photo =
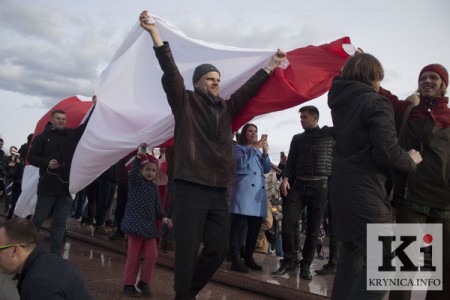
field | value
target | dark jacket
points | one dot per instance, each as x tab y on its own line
310	153
50	277
366	149
2	168
59	145
203	137
13	173
143	206
428	131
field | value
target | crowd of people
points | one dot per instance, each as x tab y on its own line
334	180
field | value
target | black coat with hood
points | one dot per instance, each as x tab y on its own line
366	149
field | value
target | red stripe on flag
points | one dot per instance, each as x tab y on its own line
309	75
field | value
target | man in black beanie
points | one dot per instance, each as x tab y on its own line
203	162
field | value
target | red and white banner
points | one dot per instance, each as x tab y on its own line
132	107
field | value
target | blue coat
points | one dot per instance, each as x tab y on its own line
248	193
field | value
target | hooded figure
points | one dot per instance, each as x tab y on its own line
366	149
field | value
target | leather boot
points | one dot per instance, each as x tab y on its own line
238	265
305	273
285	267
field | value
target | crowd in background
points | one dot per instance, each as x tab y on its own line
333	182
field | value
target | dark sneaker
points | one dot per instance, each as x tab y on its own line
285	267
251	263
238	266
145	288
131	291
326	270
305	273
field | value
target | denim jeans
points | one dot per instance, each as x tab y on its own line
77	209
311	194
279	247
61	207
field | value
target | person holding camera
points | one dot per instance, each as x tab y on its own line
248	199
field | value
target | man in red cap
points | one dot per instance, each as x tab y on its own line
425	197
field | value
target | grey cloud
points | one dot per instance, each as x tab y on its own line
51	64
238	32
26	18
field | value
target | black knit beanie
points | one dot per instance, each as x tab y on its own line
202	70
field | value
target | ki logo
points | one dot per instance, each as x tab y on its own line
389	255
404	256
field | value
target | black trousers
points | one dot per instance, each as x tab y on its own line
121	203
201	215
297	245
334	246
351	274
248	224
311	194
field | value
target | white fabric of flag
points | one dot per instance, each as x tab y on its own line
132	107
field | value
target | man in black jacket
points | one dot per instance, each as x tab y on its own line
309	162
42	275
52	152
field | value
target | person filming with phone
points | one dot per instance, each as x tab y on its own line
248	199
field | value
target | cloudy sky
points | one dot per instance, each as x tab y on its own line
53	49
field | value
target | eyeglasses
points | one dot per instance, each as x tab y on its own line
11	245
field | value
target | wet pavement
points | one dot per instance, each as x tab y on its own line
262	282
101	263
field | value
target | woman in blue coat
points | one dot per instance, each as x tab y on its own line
248	200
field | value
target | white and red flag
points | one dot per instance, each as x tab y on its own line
132	107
